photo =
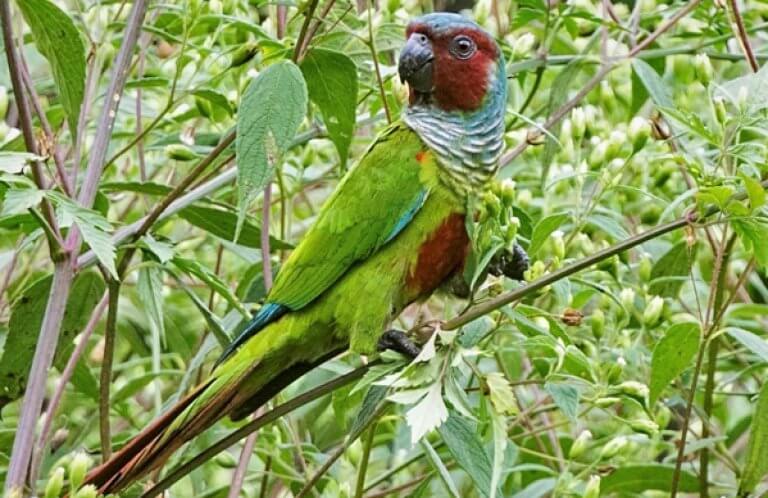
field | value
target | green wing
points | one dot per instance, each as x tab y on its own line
373	203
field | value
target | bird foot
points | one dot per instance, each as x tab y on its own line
398	341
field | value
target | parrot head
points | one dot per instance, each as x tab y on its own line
457	94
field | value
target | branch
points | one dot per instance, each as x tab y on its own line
255	425
741	34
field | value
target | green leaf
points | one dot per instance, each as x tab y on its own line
640	478
543	230
676	262
210	318
194	268
150	290
24	327
150	188
653	83
462	439
332	83
752	342
371	403
271	111
439	466
14	162
753	86
20	200
756	463
672	355
753	234
223	224
557	97
565	396
215	98
93	226
755	191
57	38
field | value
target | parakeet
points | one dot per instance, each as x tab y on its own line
391	233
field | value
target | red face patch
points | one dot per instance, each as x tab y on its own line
460	84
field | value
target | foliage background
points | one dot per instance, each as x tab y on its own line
638	375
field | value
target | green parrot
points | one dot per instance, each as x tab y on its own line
393	231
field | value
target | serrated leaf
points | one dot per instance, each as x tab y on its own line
370	406
332	84
463	441
544	229
57	38
640	478
163	250
502	396
672	355
24	327
14	162
752	342
565	396
270	112
150	290
753	233
428	414
755	192
756	462
20	200
93	226
676	262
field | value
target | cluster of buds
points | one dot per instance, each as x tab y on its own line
495	216
76	472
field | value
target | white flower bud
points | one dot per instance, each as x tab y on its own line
639	131
580	444
703	67
592	490
523	45
613	447
55	483
77	469
627	298
578	122
653	311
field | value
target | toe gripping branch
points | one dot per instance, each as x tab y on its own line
398	341
512	264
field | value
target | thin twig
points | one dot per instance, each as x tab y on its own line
255	425
377	69
741	34
363	470
66	375
105	376
300	43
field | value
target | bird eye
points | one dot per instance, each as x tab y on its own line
463	47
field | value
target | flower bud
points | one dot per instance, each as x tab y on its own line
3	101
614	372
645	268
225	460
244	54
644	426
607	401
634	389
613	447
627	298
639	131
492	203
580	444
558	244
592	490
180	152
77	469
508	192
88	491
653	311
703	67
578	122
597	322
523	45
721	114
55	483
598	155
742	98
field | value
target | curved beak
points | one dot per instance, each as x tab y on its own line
415	66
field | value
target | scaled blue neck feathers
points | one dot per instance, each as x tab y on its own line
468	144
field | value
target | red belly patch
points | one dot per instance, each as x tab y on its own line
440	255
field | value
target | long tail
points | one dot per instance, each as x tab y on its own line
236	388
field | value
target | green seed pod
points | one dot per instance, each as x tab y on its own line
614	372
180	152
492	203
558	244
663	416
508	192
592	490
607	401
613	447
721	113
597	322
627	298
77	469
226	460
580	445
644	426
645	268
204	107
578	123
634	389
244	54
598	155
55	484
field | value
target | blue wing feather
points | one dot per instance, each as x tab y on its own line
266	315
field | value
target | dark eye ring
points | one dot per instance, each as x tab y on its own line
463	47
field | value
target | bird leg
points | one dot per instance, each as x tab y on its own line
398	341
512	264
